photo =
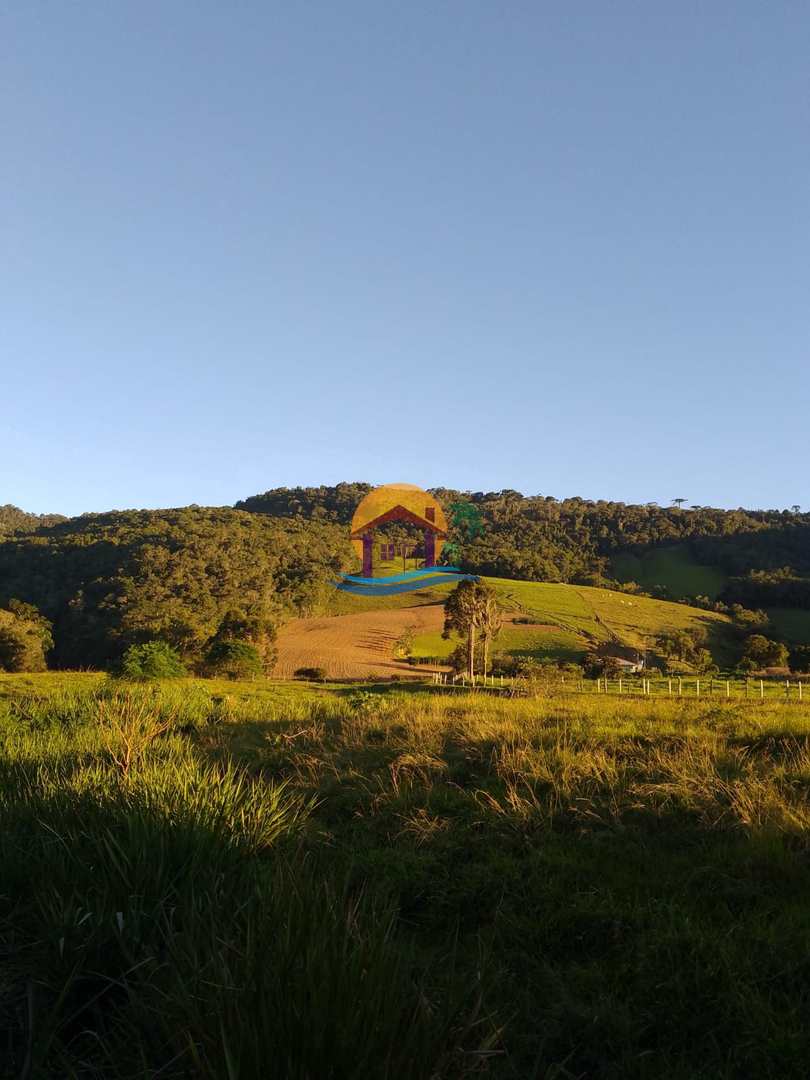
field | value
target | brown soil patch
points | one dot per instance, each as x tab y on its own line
362	645
354	646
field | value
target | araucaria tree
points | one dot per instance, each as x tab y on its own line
472	611
491	623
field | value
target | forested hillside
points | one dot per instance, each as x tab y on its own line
106	581
538	538
14	520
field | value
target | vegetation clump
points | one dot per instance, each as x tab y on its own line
233	659
151	660
313	674
25	638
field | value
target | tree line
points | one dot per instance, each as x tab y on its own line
540	538
194	578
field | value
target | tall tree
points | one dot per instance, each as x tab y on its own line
491	622
468	610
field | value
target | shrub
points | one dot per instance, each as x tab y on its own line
25	638
234	660
760	652
597	665
152	660
314	674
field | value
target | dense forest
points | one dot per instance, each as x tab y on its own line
107	581
102	582
13	520
539	538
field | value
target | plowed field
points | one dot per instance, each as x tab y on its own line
355	646
361	645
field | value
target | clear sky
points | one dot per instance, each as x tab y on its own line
559	247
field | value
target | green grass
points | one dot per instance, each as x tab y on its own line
306	882
575	618
578	617
672	567
524	641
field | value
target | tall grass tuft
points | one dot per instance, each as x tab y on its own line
159	917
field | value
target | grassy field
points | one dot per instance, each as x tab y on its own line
673	567
250	879
571	619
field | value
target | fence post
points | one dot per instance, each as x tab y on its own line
669	686
620	685
728	688
761	688
787	689
800	689
680	687
697	687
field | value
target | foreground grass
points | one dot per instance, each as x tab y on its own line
391	883
161	913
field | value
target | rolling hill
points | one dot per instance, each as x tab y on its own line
359	634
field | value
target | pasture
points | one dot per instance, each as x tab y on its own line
212	879
561	622
356	636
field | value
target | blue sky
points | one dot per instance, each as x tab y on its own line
550	247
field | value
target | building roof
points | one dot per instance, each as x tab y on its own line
399	513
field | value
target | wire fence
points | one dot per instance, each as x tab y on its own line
693	686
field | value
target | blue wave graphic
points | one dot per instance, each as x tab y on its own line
406	575
403	587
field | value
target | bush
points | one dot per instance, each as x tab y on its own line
25	638
314	674
596	665
234	660
760	652
152	660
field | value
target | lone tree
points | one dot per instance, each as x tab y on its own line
678	502
491	623
472	609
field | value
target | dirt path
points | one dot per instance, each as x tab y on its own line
354	646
